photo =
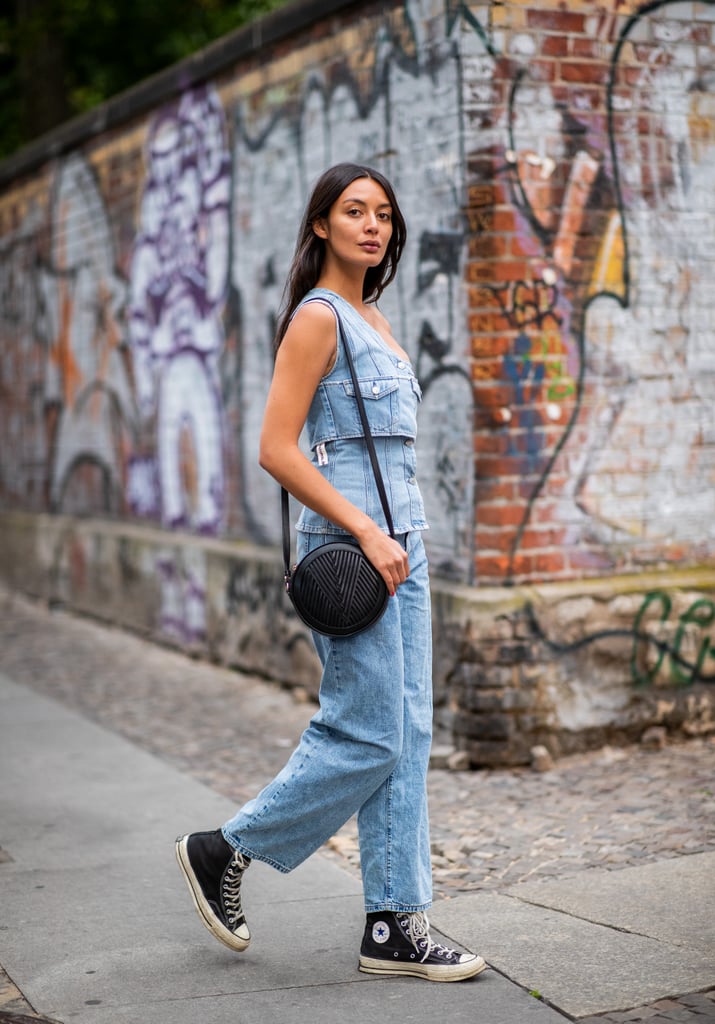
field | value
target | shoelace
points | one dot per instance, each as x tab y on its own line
231	888
417	926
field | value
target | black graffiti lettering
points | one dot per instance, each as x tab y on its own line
440	253
251	589
701	613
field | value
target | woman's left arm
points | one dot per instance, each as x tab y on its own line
303	358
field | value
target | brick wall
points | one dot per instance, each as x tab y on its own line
556	171
555	168
593	338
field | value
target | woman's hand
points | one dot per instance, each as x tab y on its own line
387	555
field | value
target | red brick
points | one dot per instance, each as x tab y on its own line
545	512
489	246
491	444
550	563
482	298
486	369
522	565
492	566
503	219
480	195
499	515
481	219
532	539
480	273
564	22
499	466
493	540
555	46
510	270
486	345
581	47
491	395
491	490
583	72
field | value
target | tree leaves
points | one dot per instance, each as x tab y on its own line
59	58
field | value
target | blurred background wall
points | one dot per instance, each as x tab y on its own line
557	172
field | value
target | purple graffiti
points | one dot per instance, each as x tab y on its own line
179	281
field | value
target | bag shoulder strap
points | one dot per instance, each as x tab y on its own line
285	517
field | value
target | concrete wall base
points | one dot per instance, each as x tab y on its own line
569	666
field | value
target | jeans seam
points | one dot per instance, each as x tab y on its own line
388	837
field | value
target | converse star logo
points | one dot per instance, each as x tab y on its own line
380	932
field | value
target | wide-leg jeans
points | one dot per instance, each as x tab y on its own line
365	751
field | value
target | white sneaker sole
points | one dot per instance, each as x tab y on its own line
431	972
226	937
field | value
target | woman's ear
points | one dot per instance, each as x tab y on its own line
320	228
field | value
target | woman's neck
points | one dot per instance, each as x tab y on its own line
348	286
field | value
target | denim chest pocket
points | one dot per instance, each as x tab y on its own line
381	398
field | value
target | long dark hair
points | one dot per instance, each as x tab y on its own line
310	250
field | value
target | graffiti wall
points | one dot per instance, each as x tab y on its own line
555	168
595	339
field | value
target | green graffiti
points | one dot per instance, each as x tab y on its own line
700	614
560	385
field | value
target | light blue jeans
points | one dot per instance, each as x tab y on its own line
366	750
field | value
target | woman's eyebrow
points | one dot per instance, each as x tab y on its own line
361	202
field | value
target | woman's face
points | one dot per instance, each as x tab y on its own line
358	227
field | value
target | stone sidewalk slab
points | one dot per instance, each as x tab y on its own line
671	900
97	926
579	966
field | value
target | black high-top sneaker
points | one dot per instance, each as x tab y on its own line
213	871
400	943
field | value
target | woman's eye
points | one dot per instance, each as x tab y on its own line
385	216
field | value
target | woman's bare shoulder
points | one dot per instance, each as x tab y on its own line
312	335
315	312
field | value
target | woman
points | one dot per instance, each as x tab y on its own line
367	748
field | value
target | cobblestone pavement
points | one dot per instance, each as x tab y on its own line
490	829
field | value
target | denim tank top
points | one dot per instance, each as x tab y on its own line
391	393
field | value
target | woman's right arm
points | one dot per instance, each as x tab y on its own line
304	356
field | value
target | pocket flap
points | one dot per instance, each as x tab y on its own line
373	387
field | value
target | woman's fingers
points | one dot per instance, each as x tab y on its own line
388	556
394	566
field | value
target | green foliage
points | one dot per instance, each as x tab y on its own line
10	129
59	58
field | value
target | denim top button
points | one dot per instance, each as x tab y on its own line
375	389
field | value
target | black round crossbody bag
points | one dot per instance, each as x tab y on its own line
335	589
